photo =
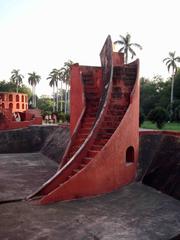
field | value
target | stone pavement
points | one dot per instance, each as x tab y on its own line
23	173
135	212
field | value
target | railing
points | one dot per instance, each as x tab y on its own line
63	172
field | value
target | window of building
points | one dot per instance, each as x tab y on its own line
10	105
17	105
17	98
2	96
10	97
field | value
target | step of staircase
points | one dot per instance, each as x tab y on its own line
92	153
86	160
100	141
84	130
96	147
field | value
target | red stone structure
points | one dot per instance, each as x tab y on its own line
102	154
16	102
14	112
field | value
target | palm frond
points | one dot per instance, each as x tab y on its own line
136	45
121	50
122	38
119	42
165	59
132	52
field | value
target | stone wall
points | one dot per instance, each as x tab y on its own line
159	163
33	138
56	144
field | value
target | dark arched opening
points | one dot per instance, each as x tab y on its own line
130	155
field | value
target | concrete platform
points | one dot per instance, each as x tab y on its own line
21	174
135	212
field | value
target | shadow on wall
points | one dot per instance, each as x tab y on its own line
51	140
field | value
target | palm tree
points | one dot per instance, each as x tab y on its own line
66	78
171	65
61	79
16	78
127	46
33	80
53	83
54	77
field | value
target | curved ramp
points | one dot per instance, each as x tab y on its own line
107	158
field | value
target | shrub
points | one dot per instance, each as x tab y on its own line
159	116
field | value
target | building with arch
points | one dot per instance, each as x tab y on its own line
15	102
14	112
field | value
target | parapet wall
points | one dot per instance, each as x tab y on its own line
34	138
159	161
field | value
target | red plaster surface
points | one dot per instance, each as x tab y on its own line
158	132
77	103
17	102
99	164
10	103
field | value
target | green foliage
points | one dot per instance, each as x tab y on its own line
177	85
169	126
16	78
141	118
159	116
11	87
127	46
176	110
154	93
67	117
45	105
60	116
177	114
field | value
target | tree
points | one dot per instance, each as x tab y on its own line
53	82
154	93
159	116
33	80
177	85
66	80
11	87
171	63
55	76
16	78
127	46
45	105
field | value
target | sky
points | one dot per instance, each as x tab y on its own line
39	35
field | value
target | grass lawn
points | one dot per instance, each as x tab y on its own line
168	126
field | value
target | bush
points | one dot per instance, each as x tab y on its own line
159	116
